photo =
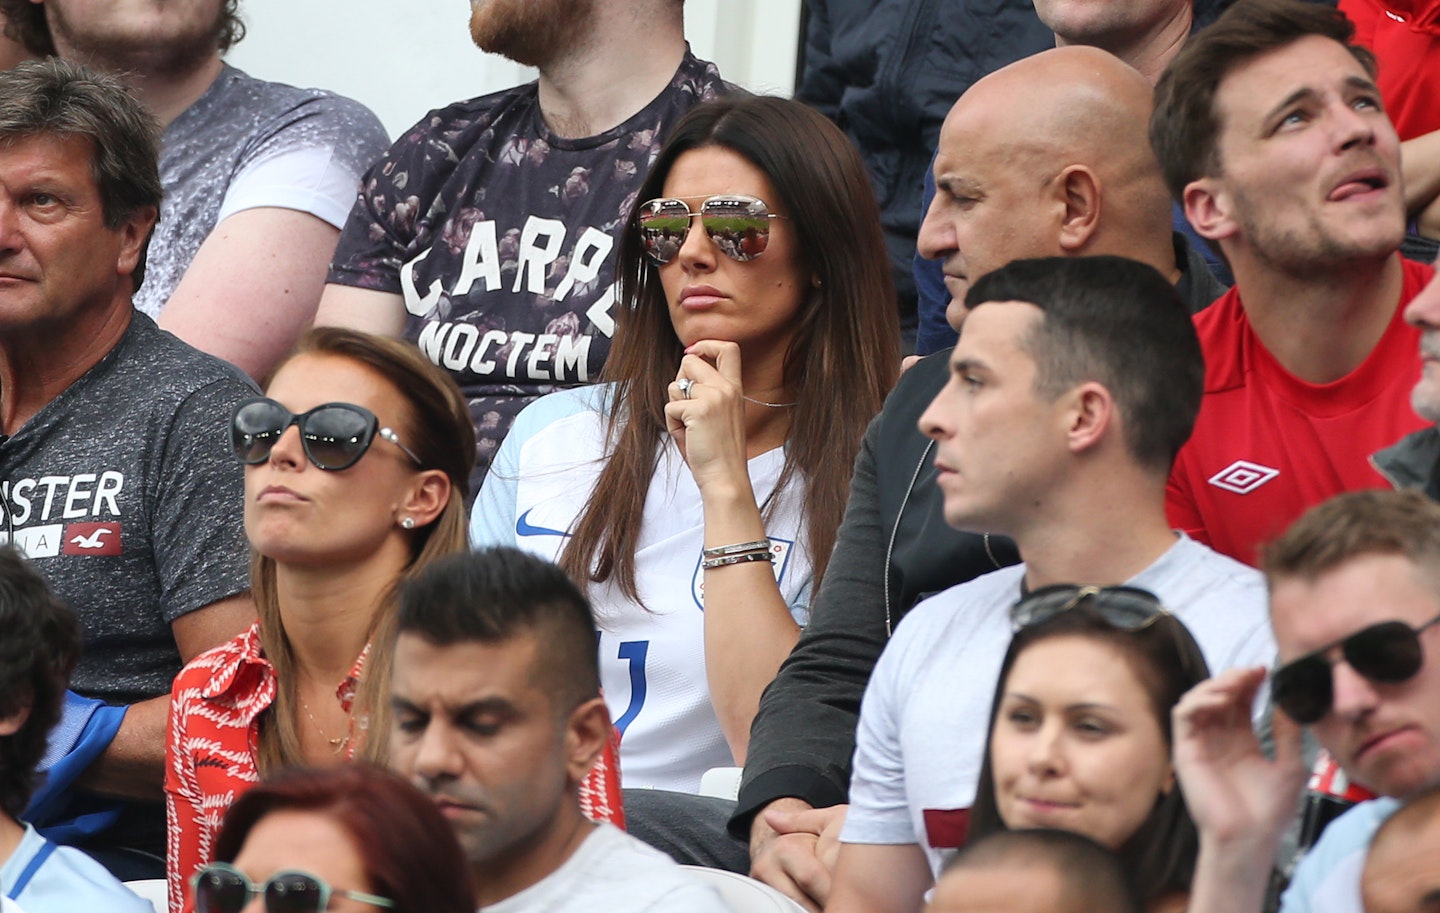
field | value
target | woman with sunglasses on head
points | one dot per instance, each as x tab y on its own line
1080	737
697	495
356	464
344	840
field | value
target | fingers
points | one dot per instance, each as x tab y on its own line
723	355
1224	701
789	864
1289	746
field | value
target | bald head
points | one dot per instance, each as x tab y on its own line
1049	156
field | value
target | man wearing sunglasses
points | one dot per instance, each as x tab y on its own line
1074	383
1355	605
487	234
498	717
113	473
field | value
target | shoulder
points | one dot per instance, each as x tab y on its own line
70	880
1328	876
651	879
1222	328
164	363
563	409
960	611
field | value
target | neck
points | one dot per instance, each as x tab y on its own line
608	79
1320	327
328	612
11	832
171	95
1100	530
533	859
1150	50
766	427
35	367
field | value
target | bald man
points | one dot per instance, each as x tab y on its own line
1400	874
1069	173
1034	871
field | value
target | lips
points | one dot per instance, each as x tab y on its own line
700	297
279	493
1380	741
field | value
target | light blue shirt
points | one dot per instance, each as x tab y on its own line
1327	880
44	878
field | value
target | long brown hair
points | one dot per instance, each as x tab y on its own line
438	429
842	359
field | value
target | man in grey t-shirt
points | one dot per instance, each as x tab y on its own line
258	176
114	473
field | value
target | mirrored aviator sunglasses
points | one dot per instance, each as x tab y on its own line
222	888
738	225
334	436
1128	608
1388	653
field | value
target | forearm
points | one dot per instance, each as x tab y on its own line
133	767
1420	164
872	878
1231	876
748	627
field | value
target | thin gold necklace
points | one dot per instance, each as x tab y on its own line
336	745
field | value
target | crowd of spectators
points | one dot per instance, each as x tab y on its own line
592	470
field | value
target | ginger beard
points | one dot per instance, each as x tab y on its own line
529	32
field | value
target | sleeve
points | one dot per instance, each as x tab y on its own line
879	808
822	81
198	526
182	802
381	227
310	160
804	731
492	518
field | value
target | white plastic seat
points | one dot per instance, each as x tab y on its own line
151	889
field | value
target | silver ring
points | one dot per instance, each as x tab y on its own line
685	384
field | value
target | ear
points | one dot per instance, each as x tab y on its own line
1078	190
1090	417
134	232
1209	208
426	498
9	725
586	734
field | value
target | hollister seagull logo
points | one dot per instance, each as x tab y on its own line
92	539
1243	477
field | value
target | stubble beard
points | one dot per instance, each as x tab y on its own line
121	53
529	32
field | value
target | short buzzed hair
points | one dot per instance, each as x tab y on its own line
495	594
1091	876
1185	127
1355	524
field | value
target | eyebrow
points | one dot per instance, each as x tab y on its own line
953	184
962	365
484	705
1351	82
1068	708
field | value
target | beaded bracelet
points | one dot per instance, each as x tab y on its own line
710	564
721	551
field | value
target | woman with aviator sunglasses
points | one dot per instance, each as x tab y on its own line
698	494
356	464
1080	736
344	840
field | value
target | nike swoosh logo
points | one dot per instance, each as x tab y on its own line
523	528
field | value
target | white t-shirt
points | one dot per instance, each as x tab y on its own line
921	737
652	657
615	873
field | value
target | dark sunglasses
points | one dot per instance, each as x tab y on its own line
1389	653
738	225
1128	608
221	888
334	436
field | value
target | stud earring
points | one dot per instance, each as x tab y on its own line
408	523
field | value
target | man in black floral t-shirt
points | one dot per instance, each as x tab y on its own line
487	233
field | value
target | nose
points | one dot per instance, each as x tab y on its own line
1045	755
1423	311
436	759
936	422
698	253
288	450
1355	695
10	239
1354	128
937	233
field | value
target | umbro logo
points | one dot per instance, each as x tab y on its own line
1243	477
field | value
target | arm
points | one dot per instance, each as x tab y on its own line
133	766
253	287
1420	163
183	854
794	848
1241	801
748	627
381	313
875	878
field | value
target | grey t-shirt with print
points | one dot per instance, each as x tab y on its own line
123	492
249	143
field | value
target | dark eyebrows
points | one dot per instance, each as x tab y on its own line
965	366
1302	94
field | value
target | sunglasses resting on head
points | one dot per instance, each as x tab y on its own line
334	436
1128	608
222	888
1388	653
738	225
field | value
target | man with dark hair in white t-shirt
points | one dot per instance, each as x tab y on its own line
1074	383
